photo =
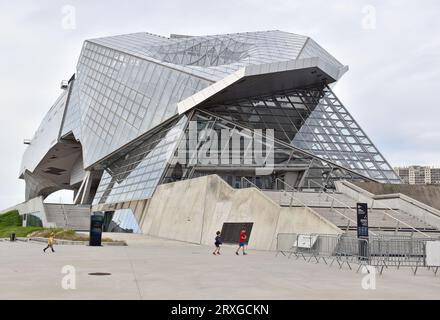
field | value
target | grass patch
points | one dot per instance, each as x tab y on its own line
65	234
5	232
10	222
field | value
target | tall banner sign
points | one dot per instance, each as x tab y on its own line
362	220
362	230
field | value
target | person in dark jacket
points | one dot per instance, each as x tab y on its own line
217	243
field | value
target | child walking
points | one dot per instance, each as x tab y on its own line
50	242
242	242
217	243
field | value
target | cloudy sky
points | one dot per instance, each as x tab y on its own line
392	48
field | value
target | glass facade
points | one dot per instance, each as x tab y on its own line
254	154
122	96
72	118
137	171
46	135
313	120
33	220
121	221
214	57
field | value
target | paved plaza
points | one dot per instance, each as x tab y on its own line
150	268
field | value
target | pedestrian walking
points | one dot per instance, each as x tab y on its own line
242	242
50	242
217	243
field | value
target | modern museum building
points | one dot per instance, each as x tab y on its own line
177	136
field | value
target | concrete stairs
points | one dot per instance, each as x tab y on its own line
76	217
421	212
340	209
380	219
312	199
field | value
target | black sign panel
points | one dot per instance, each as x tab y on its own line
362	220
96	222
231	232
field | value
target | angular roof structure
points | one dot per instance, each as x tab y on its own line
115	128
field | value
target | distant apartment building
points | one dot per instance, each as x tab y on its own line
419	175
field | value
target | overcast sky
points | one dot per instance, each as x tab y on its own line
392	48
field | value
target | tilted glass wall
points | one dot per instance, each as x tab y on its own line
214	145
313	120
122	96
293	152
332	133
314	142
121	221
134	173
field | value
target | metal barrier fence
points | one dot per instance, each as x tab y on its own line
352	250
398	252
380	252
308	247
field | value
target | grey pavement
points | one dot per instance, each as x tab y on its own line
150	268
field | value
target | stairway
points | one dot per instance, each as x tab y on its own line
311	199
380	219
76	217
340	209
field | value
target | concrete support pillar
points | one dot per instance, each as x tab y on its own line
82	195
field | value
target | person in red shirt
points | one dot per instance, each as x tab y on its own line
242	242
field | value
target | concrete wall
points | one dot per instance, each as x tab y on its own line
193	210
427	194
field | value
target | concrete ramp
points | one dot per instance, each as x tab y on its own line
69	216
193	210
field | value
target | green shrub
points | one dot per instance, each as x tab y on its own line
10	222
10	219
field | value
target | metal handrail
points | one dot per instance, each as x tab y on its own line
306	206
64	215
402	222
417	204
245	179
285	183
288	185
386	213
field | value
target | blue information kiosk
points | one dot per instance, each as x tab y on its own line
96	223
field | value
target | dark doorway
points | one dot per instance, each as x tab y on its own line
231	231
